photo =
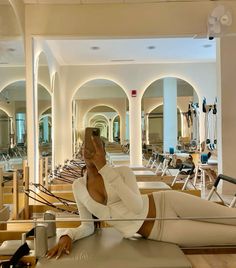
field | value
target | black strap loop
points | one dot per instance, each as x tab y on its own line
21	251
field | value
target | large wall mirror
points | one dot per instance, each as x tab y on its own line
103	117
103	104
153	114
13	134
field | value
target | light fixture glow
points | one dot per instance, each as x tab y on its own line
151	47
95	48
207	46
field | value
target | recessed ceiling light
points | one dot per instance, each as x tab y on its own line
11	49
95	48
207	45
151	47
3	63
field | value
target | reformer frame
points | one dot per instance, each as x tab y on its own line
190	170
214	189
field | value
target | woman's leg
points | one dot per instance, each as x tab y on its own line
185	205
173	204
195	233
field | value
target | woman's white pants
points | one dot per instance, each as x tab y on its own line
192	232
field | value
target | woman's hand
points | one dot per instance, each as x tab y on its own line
63	246
99	156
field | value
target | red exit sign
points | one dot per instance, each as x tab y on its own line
133	92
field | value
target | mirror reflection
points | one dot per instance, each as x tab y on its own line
103	117
103	104
153	117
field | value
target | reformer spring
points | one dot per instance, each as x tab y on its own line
47	192
47	203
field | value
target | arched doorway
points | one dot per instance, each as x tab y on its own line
158	122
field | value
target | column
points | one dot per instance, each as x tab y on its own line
110	129
56	104
226	128
170	113
135	132
31	111
66	123
123	125
127	125
45	129
146	127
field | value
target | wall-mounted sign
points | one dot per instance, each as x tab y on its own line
133	92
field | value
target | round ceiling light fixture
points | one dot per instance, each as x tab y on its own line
95	48
207	45
151	47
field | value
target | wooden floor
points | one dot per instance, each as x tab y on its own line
213	260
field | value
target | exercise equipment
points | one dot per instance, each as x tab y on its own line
214	189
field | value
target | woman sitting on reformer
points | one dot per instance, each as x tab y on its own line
112	193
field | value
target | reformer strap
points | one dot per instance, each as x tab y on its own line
20	252
47	192
45	202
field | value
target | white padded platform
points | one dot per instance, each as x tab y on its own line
153	185
144	173
107	249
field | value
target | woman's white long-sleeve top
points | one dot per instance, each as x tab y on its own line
124	201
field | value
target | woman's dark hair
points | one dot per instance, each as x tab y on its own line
97	224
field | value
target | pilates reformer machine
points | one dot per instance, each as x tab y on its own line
213	190
104	248
56	187
105	235
185	173
47	195
163	163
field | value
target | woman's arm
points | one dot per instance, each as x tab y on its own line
72	234
85	228
125	185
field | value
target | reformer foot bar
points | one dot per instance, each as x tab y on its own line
189	169
214	189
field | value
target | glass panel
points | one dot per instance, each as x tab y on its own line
12	91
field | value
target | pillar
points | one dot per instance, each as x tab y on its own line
31	111
135	131
226	128
170	113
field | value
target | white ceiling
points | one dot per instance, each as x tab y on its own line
12	53
116	51
132	51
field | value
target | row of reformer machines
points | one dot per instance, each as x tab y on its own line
25	205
